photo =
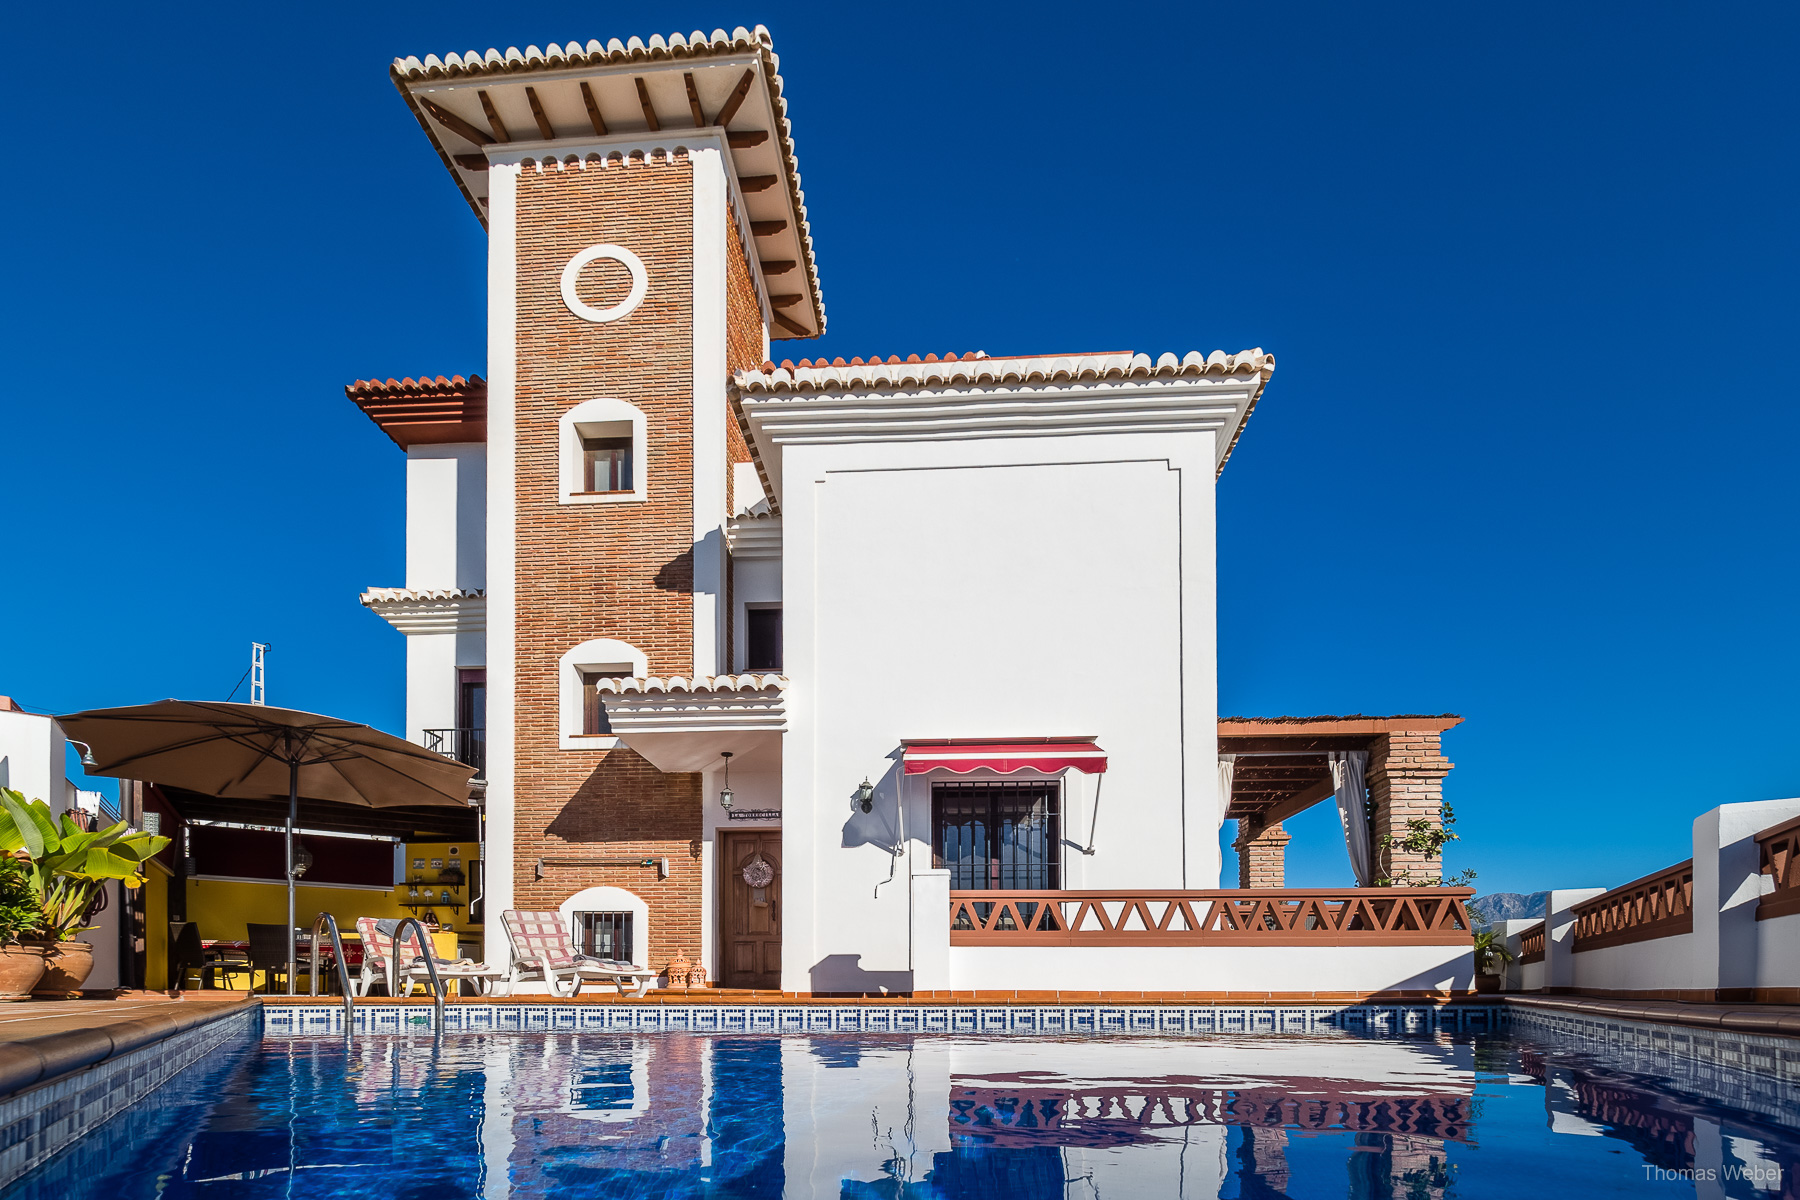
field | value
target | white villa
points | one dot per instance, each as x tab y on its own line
893	675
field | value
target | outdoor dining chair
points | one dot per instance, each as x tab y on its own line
188	956
268	954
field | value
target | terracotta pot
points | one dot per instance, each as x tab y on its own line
21	967
1487	983
68	966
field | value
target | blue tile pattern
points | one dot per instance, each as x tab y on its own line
373	1017
38	1122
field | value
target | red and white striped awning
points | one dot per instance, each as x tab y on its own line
1045	755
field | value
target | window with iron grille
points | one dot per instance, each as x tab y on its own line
1003	835
607	935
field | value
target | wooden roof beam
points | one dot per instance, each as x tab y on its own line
777	266
792	326
493	116
743	139
537	114
756	183
593	109
1295	804
644	102
693	92
735	101
455	124
767	228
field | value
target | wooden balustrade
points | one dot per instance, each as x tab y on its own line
1656	906
1780	846
1531	944
1274	917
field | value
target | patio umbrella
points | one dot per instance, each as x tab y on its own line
252	751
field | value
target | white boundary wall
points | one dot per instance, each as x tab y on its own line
1729	950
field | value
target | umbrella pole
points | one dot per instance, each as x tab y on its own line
293	812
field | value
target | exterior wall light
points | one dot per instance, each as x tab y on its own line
865	796
725	796
87	753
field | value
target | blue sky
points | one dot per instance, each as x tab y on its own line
1528	272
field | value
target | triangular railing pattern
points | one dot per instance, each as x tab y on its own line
1350	916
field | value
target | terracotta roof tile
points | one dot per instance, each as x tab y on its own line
427	411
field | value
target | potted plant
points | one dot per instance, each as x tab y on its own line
1491	957
21	966
66	866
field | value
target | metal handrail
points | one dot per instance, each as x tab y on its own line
425	949
323	922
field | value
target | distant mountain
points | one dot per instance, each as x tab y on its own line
1509	906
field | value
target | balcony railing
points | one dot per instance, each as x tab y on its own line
1531	944
1780	848
466	746
1656	906
1284	917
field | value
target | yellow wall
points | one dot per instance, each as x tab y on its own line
224	908
156	926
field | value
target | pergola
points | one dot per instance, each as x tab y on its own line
1281	769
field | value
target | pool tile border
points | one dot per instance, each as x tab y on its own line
41	1121
1759	1072
281	1021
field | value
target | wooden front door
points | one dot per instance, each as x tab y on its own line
750	916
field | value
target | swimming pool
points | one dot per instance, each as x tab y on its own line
861	1116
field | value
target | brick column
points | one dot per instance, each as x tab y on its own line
1262	855
1406	782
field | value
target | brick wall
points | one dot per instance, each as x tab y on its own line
1406	781
620	571
1262	855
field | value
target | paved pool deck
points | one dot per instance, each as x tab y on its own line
45	1040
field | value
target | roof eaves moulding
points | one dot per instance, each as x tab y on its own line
578	92
996	397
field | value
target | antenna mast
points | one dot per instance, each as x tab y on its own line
258	650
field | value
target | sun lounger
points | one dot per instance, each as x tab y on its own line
541	950
379	963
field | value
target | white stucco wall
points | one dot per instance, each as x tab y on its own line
991	588
33	752
1212	968
1778	952
1656	965
446	516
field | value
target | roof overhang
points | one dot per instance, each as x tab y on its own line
425	412
981	397
684	725
438	610
476	105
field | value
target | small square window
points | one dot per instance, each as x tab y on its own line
762	643
606	464
593	709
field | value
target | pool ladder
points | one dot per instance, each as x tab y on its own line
328	923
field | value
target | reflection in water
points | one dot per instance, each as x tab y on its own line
935	1117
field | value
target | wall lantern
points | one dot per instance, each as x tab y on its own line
303	859
725	796
865	796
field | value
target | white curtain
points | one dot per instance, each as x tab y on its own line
1227	771
1348	771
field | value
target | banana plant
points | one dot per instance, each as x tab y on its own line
67	863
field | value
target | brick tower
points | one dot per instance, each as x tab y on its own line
642	206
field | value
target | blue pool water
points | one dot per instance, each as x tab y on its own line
937	1117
